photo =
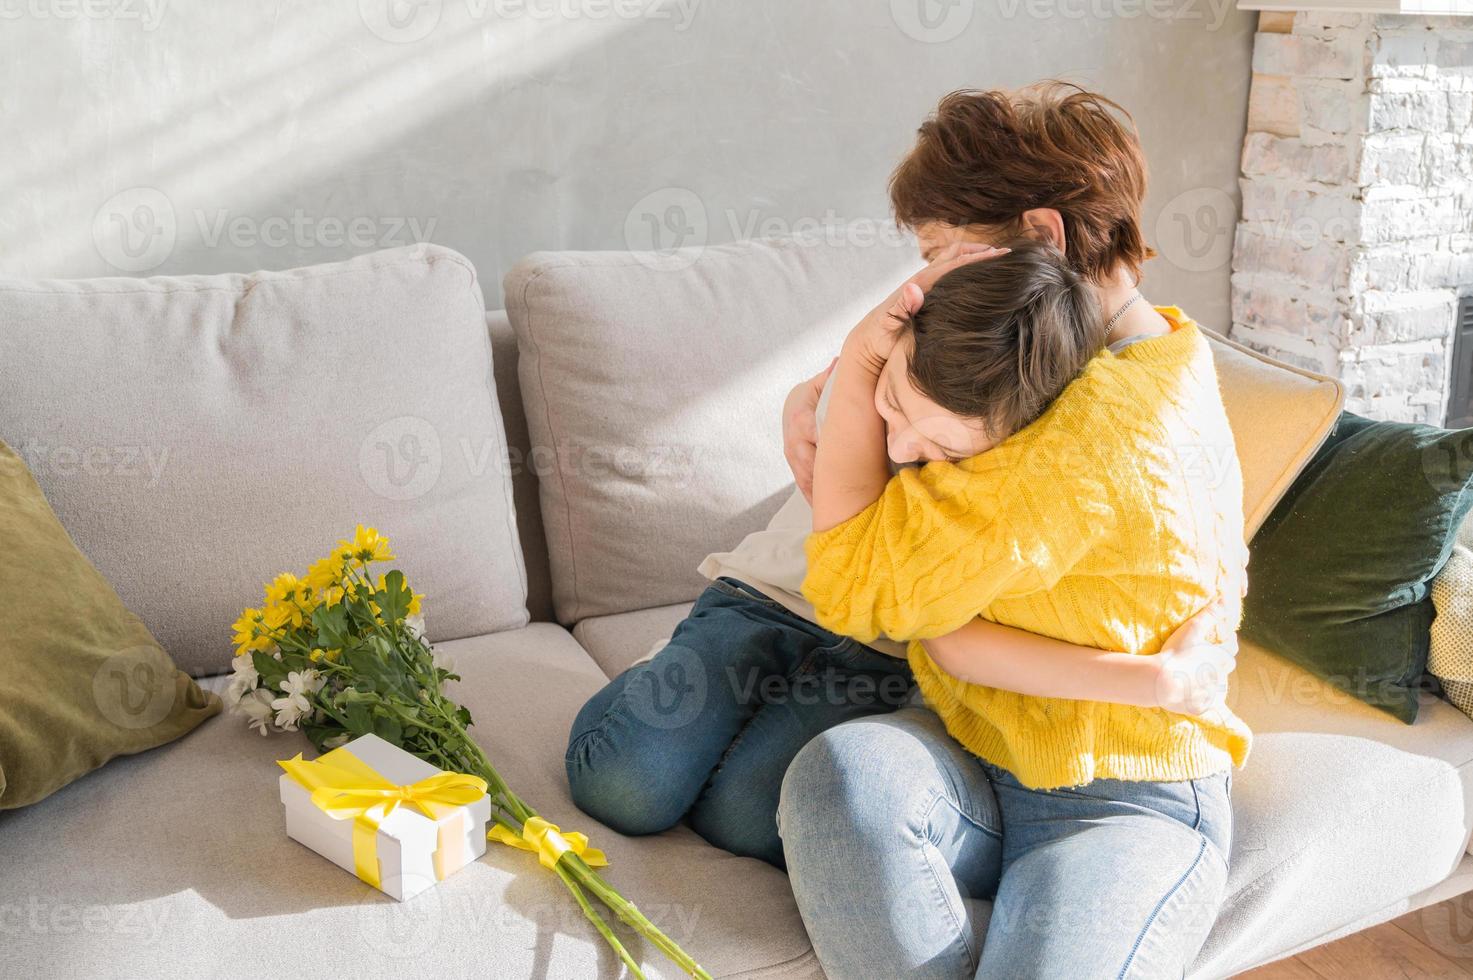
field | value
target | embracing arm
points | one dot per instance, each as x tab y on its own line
1188	676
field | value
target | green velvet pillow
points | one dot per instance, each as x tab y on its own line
81	678
1340	577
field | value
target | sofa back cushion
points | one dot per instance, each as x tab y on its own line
519	458
1280	416
654	386
197	435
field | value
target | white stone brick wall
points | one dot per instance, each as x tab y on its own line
1356	233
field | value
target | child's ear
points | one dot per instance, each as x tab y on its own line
1044	225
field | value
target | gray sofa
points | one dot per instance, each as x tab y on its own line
175	862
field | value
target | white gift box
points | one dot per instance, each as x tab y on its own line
412	850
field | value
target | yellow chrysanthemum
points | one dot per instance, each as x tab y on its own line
325	573
246	638
367	546
283	588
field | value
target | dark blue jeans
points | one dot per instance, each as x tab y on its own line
707	728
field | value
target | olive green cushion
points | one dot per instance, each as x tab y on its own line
81	678
1341	573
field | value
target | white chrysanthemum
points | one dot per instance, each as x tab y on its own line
293	705
256	706
243	680
443	661
415	625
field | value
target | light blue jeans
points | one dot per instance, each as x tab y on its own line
893	832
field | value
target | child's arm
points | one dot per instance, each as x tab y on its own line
850	469
1189	676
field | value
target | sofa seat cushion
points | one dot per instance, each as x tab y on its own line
1341	812
176	863
614	642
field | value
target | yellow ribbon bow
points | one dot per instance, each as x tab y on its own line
548	842
345	787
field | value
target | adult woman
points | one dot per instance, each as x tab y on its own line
888	824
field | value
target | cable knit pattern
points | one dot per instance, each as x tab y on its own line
1108	522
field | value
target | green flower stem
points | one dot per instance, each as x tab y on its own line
578	870
598	921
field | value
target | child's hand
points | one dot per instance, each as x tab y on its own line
872	340
1194	664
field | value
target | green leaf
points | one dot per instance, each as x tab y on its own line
360	719
332	625
393	600
272	671
388	729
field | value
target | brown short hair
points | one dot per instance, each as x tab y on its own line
998	340
987	157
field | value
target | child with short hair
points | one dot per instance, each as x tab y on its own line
1060	498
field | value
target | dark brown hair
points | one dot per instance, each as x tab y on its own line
987	157
998	340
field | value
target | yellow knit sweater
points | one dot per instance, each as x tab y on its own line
1108	523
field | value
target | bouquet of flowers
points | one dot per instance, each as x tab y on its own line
341	653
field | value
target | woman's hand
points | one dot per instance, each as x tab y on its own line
1192	668
874	337
800	428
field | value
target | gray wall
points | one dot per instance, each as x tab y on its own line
149	136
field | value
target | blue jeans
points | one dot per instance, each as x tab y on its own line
893	831
707	728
